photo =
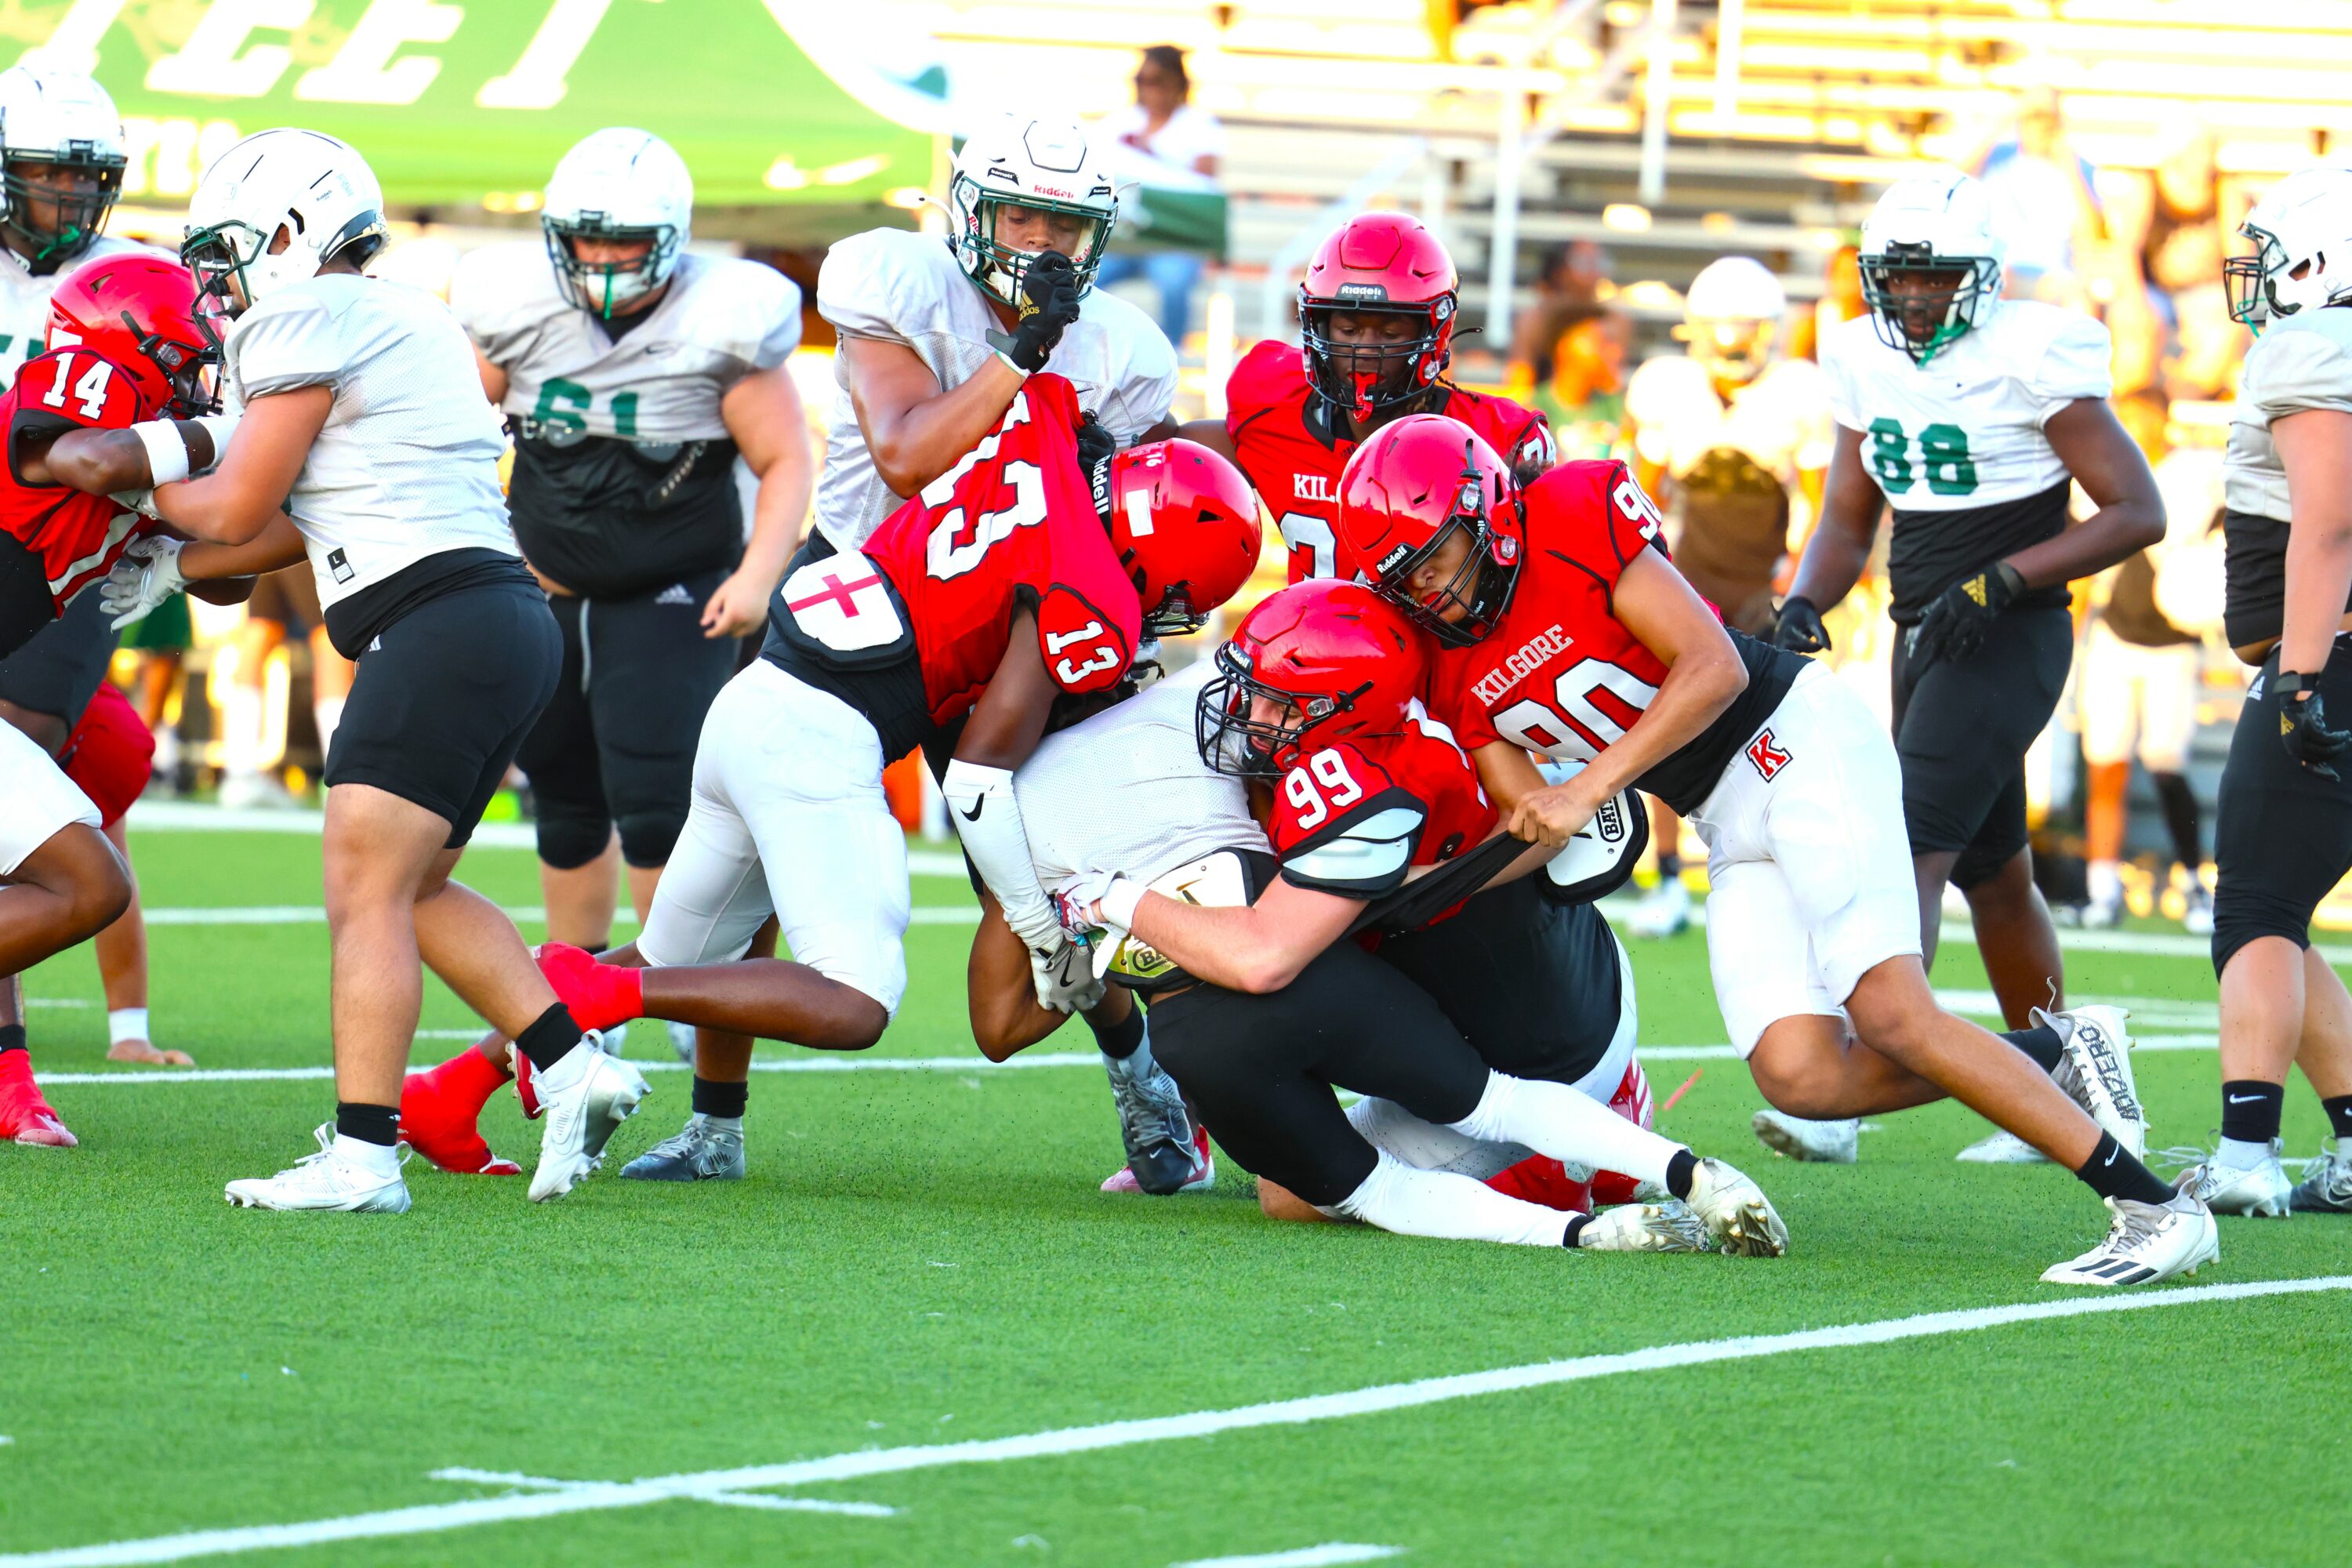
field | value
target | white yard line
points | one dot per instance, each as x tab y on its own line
976	1065
522	914
1330	1552
590	1497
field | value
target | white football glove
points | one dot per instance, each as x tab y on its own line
1064	977
147	574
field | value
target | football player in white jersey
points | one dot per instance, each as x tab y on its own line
1735	438
1972	416
631	372
362	415
2283	838
936	339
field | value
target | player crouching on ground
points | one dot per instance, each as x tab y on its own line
979	603
1315	699
1567	633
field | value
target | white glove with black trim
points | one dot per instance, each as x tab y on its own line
147	574
1064	976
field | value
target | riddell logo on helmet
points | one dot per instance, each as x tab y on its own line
1053	190
1370	294
1389	562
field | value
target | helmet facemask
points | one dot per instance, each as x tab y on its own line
998	268
80	214
2248	279
1922	320
1368	379
607	289
1233	742
190	371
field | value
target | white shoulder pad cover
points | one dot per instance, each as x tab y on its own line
2077	364
1363	854
1138	367
287	342
1661	382
2300	364
885	283
1841	345
743	310
1602	857
498	291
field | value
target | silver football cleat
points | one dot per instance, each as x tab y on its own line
698	1152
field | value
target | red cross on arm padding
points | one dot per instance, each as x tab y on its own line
835	591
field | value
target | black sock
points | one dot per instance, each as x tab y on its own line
1576	1224
713	1098
2180	804
2039	1042
597	947
12	1037
378	1124
2112	1173
2251	1110
1680	1170
2339	1115
1669	865
1119	1040
549	1038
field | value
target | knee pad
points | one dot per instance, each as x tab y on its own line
647	837
569	838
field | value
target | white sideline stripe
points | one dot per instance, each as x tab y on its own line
972	1064
1305	1557
732	1499
522	914
590	1497
1619	912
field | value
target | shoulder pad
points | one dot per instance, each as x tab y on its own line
1660	383
1270	374
885	283
2300	364
746	310
1602	857
1363	851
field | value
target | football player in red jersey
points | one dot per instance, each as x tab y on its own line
1000	588
1315	697
1376	321
1567	633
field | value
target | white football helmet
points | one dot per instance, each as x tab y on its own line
1931	261
618	185
1035	163
60	119
1732	315
317	189
2302	231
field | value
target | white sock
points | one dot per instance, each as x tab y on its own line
327	712
1567	1124
126	1024
380	1159
1438	1204
2240	1156
721	1123
241	721
2107	881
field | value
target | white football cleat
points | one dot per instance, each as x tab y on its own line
2145	1242
2197	911
325	1182
1736	1211
2257	1191
681	1040
1665	912
1670	1226
2097	1072
2327	1185
1819	1142
585	1098
2002	1149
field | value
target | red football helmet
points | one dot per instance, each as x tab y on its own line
1378	265
1405	492
1184	524
139	313
1336	661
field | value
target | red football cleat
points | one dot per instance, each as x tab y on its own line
1632	1102
526	1085
25	1116
600	995
1540	1179
439	1109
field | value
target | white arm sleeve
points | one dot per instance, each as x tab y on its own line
987	819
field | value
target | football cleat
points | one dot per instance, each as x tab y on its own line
1201	1170
2256	1191
2002	1148
697	1153
1665	912
526	1084
2145	1243
2197	915
1837	1142
1153	1124
599	995
1736	1211
438	1121
587	1096
25	1117
2097	1072
1540	1179
325	1183
681	1040
2327	1185
1669	1227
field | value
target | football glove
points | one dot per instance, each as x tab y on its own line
1097	447
1800	628
2303	725
1956	623
1049	303
1064	974
147	574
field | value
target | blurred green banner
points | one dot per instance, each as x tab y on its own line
463	102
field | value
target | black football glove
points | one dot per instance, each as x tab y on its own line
1956	623
1800	628
1097	447
1049	303
2303	725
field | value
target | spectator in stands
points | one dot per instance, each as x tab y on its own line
1160	141
2181	253
1574	284
1584	399
1841	301
2044	198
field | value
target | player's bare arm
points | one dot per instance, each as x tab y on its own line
1851	506
236	501
102	462
762	413
494	378
1258	948
1704	674
2113	471
1211	434
914	431
2316	447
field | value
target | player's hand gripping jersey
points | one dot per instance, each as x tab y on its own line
1354	817
77	537
1293	453
1012	526
1561	675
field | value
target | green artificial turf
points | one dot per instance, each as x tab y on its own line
922	1257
